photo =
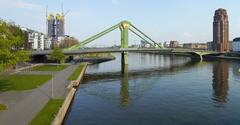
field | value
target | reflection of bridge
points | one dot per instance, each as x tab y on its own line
125	27
130	91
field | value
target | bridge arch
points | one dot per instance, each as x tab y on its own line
125	27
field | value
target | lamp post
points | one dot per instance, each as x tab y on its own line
52	86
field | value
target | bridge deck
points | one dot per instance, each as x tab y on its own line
117	50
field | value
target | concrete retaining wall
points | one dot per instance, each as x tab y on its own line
68	100
76	83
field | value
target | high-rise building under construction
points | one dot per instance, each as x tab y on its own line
51	26
55	26
59	25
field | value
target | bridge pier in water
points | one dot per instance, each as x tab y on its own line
124	62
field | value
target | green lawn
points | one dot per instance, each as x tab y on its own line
23	82
3	107
50	67
76	73
47	114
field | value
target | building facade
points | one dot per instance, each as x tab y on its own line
166	44
173	44
221	31
210	46
33	40
59	25
199	46
51	26
55	28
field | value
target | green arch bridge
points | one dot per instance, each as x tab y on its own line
125	27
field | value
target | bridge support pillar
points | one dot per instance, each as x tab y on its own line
124	62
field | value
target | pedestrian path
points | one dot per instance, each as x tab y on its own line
23	106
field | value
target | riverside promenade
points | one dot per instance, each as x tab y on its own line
23	106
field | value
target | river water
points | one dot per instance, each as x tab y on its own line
158	90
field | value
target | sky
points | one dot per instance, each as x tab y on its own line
162	20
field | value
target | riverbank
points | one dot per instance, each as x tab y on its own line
224	57
76	78
94	58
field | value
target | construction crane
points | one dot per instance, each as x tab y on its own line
64	14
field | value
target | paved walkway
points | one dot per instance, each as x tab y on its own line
23	106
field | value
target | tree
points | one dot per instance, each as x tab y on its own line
68	42
11	44
57	55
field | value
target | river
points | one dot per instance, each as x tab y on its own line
158	90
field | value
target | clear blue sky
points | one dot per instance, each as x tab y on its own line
163	20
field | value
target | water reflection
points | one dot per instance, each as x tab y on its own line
220	81
93	67
170	91
124	90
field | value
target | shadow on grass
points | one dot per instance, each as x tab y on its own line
5	85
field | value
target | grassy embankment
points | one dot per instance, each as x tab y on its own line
50	68
76	73
3	107
47	114
22	82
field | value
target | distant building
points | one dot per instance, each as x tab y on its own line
59	25
55	28
173	44
236	45
200	46
210	46
51	26
180	45
48	43
144	44
33	40
134	46
166	44
220	31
